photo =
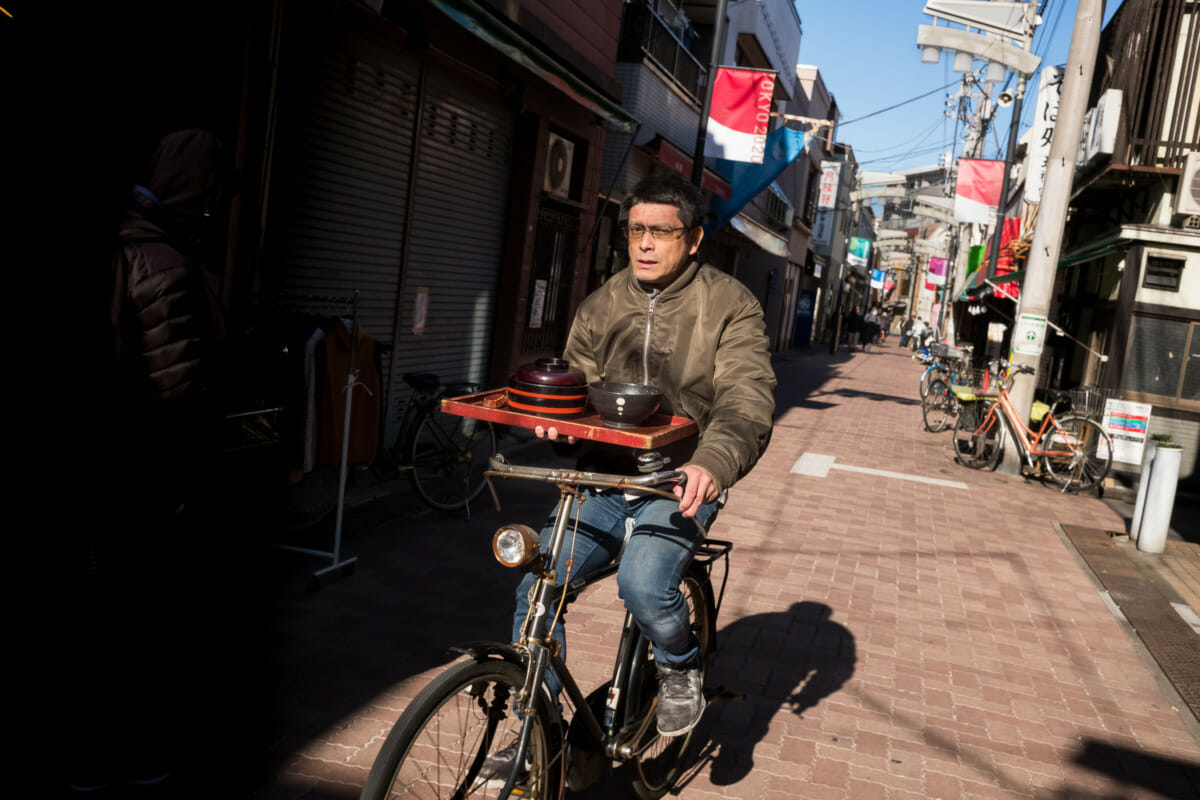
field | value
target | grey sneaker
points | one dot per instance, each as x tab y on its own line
680	698
498	766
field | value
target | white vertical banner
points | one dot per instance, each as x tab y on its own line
1045	117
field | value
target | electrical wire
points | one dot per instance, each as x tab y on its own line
897	105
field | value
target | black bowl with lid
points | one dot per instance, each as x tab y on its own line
550	388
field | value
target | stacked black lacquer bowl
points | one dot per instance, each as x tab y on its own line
549	388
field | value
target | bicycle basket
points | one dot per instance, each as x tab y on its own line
984	383
948	352
1089	400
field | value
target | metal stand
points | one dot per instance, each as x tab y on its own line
339	563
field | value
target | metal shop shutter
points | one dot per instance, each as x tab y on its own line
341	220
459	214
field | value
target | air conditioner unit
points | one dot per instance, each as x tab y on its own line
560	159
1187	197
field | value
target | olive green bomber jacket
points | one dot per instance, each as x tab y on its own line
702	342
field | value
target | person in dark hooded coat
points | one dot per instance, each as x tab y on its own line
137	613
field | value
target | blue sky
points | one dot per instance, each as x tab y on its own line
868	56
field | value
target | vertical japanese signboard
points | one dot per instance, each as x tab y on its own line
1049	92
831	172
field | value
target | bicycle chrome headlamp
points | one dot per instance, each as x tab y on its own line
515	545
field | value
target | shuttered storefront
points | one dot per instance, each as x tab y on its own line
460	208
341	225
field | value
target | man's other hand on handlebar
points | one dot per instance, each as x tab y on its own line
698	489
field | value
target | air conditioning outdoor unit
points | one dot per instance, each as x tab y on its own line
560	158
1187	197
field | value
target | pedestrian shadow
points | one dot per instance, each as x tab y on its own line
1134	770
793	658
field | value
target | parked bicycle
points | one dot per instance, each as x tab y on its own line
939	405
444	455
1075	451
441	744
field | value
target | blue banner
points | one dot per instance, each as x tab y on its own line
783	147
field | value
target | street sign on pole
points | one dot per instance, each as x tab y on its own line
1029	335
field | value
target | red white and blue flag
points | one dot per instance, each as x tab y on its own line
977	190
740	115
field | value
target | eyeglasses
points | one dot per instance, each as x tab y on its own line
660	233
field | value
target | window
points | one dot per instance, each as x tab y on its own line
1163	358
1162	273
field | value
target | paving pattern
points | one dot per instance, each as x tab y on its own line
882	637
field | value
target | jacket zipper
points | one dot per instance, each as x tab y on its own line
652	299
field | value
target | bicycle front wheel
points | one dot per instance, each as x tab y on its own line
939	406
438	747
658	760
1077	453
449	454
977	436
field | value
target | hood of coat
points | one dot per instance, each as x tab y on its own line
181	192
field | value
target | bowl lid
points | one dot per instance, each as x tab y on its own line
550	372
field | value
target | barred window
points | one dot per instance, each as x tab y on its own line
1164	358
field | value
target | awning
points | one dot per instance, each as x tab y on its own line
1089	252
767	239
977	283
495	33
681	162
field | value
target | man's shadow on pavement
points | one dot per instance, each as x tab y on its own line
793	658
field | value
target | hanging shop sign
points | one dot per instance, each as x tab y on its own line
860	252
827	192
1038	156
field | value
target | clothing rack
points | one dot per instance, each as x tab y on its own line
323	303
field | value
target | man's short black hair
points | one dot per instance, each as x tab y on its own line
668	188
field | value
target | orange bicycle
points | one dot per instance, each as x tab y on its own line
1075	451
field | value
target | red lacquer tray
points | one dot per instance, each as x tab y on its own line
657	431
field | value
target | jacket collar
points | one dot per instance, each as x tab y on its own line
675	287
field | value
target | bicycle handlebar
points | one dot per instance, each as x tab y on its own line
498	466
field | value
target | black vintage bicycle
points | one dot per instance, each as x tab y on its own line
500	693
444	455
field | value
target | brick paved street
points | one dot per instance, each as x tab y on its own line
892	638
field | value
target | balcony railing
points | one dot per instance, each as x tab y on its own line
1155	49
645	34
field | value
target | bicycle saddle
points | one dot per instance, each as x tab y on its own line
423	381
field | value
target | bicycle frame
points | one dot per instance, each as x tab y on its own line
1025	437
537	651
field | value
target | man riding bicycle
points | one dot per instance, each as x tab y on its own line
697	334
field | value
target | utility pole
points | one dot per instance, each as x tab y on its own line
1056	193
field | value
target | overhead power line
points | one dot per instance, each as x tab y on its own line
897	105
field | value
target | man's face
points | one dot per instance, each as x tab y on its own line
658	261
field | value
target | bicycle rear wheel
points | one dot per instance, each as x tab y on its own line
939	406
931	375
658	760
1080	453
438	746
449	454
977	436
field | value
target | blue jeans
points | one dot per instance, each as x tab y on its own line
659	550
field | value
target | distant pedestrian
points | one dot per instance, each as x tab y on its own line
906	331
853	325
917	332
870	327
